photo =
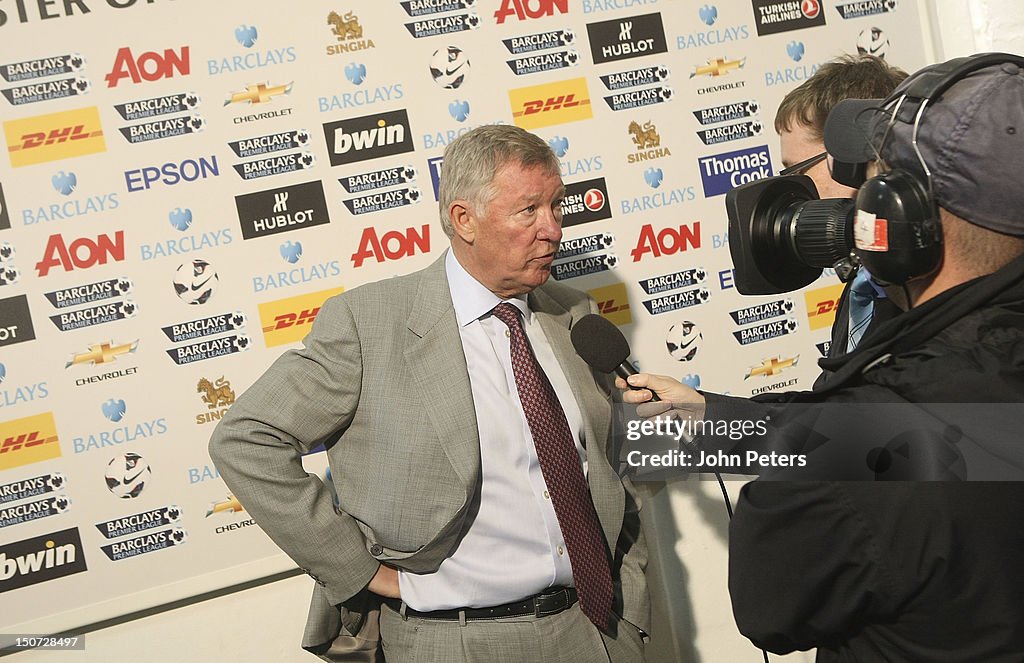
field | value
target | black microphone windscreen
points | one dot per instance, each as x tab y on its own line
599	343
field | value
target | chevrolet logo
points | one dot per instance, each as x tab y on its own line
230	505
258	94
718	67
102	353
772	366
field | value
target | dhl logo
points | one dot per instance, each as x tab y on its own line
772	366
258	94
551	103
230	505
822	304
288	320
43	138
718	67
102	353
612	303
28	440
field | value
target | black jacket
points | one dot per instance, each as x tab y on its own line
898	571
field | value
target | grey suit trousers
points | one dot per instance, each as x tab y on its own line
568	637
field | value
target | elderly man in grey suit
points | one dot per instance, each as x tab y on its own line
480	517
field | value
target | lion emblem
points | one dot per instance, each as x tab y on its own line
345	28
217	394
645	137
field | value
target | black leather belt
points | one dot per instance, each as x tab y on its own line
549	602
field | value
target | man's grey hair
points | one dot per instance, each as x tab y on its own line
473	159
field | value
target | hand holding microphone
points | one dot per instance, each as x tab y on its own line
604	348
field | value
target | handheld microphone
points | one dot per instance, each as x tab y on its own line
604	348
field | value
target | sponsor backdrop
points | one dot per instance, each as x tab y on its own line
185	183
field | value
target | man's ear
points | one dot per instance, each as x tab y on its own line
463	220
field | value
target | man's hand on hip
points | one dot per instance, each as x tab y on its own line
385	583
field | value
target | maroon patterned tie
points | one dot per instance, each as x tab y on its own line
563	474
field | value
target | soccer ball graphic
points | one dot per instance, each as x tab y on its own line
684	341
195	281
449	67
178	536
127	475
872	41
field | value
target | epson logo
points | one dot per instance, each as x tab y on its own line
722	172
368	137
40	559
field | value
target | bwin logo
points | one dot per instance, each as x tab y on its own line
281	202
380	136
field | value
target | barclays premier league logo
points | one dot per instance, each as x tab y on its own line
863	8
443	25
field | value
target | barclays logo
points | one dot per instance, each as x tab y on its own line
291	251
114	409
180	219
355	73
64	183
559	145
653	177
246	35
459	110
708	14
795	50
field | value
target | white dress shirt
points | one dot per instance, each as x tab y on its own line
513	548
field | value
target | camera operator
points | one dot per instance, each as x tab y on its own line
905	571
800	123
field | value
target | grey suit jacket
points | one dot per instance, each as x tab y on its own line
382	382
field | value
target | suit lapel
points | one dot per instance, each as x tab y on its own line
437	364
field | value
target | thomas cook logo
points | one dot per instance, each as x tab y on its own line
551	103
54	136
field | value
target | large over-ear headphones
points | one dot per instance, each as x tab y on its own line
897	235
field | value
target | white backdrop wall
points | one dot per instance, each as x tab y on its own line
205	63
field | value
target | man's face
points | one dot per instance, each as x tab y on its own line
511	243
799	143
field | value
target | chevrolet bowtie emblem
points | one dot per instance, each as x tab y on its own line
718	67
258	94
772	366
101	353
230	505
